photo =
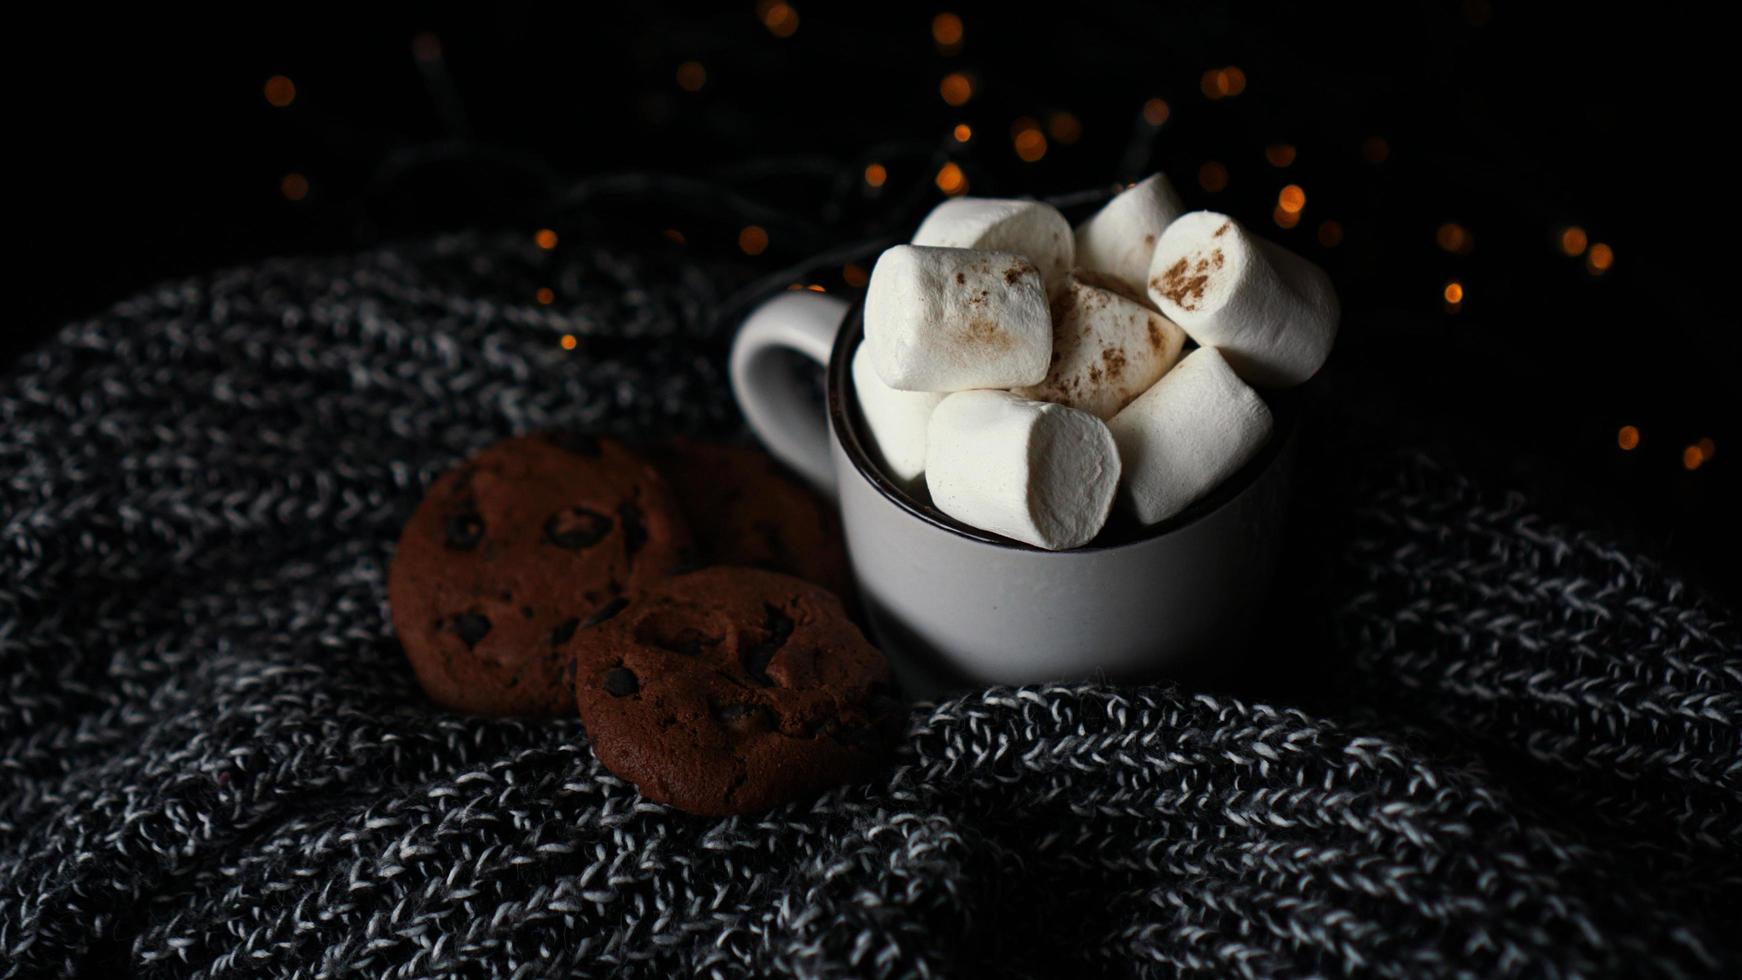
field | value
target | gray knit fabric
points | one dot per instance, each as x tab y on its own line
214	760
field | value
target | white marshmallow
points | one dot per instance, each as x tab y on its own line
1028	228
1106	349
1038	472
946	319
897	419
1119	240
1183	437
1272	313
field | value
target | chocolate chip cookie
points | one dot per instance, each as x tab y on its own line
746	510
731	690
511	553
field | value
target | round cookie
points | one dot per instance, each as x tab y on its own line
732	690
513	551
745	510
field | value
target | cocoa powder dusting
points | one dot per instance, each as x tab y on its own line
961	280
1155	338
1114	358
1180	286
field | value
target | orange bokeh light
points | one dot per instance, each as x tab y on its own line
956	88
963	133
1156	111
951	180
1212	176
1454	292
1330	234
1279	154
1627	438
280	91
946	30
1291	199
1574	240
691	76
1600	258
875	175
1374	149
294	187
780	19
545	295
753	240
545	238
854	275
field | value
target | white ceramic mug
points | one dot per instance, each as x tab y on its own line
951	604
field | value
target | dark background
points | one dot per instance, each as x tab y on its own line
149	150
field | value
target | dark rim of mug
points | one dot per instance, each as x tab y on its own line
845	418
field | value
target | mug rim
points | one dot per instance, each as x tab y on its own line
845	422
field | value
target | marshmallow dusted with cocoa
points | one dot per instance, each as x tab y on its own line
1119	240
1027	228
1272	313
1177	441
896	419
1106	349
1038	472
949	319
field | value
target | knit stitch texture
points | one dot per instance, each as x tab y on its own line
214	760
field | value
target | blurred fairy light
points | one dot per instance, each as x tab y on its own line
1284	218
545	239
780	19
1291	199
545	295
1374	149
1279	154
956	88
1708	448
1064	127
294	187
1028	140
1330	234
674	236
691	76
876	174
1212	176
568	341
1156	111
753	240
1599	259
1627	437
854	275
963	132
1454	294
1455	238
1693	458
280	91
1573	241
1223	83
951	180
946	31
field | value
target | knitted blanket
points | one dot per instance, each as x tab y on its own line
1512	749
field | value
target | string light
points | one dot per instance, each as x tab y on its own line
1156	111
1708	448
1284	218
1454	294
1279	154
753	240
691	76
1374	149
1627	438
1064	127
545	295
780	19
1599	259
1291	199
1212	176
280	91
854	274
1573	240
294	187
956	88
545	239
1693	458
1029	141
946	30
1455	239
568	341
1223	83
1330	234
963	133
674	236
875	174
951	180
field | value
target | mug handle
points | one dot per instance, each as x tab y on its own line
772	396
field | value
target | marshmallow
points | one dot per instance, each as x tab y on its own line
945	319
1194	429
897	419
1272	313
1119	240
1028	228
1038	472
1106	350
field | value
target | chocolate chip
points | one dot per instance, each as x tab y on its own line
579	443
634	527
620	682
659	631
605	612
575	528
464	529
742	719
563	631
471	628
756	656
